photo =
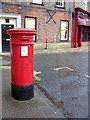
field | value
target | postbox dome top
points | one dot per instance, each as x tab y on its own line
21	31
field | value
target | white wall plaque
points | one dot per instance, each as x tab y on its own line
24	50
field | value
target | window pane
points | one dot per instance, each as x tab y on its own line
64	30
30	24
60	3
64	35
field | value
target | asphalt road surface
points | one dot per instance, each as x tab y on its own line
64	80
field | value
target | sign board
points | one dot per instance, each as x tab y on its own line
24	50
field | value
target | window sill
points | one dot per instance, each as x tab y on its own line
59	7
64	40
37	4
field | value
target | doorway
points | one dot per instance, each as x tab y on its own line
6	37
86	34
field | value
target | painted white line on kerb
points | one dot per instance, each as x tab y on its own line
0	57
87	76
37	73
64	68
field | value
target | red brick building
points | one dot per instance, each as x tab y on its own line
53	20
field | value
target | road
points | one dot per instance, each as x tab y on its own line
64	80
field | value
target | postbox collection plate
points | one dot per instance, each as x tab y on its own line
24	51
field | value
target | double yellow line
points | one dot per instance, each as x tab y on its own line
35	72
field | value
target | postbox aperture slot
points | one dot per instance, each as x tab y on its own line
24	40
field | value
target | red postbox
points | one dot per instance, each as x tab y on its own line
22	63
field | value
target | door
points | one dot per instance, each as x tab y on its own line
6	37
86	34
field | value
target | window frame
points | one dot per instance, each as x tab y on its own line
58	6
35	24
36	3
63	40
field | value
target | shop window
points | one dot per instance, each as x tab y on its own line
60	3
30	23
64	31
37	1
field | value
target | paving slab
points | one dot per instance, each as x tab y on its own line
38	107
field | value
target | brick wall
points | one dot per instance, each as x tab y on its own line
50	31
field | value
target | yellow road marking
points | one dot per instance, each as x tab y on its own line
36	77
35	72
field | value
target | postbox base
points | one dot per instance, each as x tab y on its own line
22	92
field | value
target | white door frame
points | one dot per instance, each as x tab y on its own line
17	17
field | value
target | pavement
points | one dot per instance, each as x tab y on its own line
38	107
40	48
